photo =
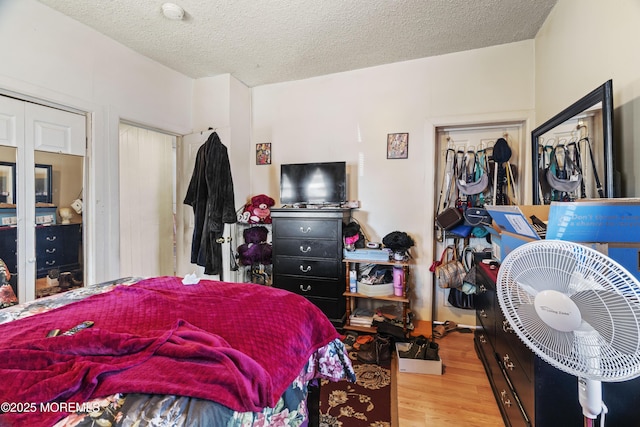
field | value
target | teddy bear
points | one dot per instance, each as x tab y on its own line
255	250
257	211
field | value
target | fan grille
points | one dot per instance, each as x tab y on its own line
605	347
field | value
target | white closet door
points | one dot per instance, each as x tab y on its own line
56	131
146	202
11	121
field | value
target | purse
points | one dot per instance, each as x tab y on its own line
477	216
450	272
459	299
449	218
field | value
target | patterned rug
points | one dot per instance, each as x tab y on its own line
365	403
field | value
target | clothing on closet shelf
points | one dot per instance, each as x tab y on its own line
210	193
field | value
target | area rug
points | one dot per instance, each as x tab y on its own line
366	403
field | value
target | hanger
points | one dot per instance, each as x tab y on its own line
209	129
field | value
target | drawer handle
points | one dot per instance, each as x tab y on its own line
305	289
506	327
305	269
505	400
305	250
51	238
50	263
483	313
483	339
50	251
305	230
507	362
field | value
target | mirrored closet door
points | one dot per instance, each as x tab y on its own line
41	184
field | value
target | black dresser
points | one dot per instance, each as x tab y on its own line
307	256
528	390
58	247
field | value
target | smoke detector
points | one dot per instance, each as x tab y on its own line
173	11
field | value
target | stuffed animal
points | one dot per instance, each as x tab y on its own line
257	211
261	209
255	250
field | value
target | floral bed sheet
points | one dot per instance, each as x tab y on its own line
139	410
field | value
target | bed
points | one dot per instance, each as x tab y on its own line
164	353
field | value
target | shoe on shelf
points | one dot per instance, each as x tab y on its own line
379	351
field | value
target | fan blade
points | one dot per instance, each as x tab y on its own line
528	289
540	334
613	316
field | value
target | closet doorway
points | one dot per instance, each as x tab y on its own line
471	136
147	202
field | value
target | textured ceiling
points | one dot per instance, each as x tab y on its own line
268	41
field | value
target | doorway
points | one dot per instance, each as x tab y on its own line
147	202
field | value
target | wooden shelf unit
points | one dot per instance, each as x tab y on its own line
351	297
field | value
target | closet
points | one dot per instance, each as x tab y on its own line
42	150
467	149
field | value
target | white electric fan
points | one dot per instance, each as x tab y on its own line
578	310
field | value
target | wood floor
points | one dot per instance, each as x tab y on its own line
460	397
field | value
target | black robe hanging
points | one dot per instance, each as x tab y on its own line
210	193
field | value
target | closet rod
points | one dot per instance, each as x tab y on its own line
480	127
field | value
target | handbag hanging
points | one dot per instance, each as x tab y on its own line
459	299
450	272
463	296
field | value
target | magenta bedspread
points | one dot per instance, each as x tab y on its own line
236	344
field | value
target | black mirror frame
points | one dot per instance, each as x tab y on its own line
48	198
604	94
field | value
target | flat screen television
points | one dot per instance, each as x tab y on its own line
313	183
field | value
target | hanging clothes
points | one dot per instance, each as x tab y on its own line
210	193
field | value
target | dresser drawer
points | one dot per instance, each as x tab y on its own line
308	248
307	228
333	308
308	267
508	404
309	286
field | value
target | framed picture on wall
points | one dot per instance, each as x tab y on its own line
263	153
398	146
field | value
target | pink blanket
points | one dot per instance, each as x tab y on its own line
237	344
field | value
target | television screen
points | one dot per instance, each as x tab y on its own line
313	183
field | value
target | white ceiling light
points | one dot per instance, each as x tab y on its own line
173	11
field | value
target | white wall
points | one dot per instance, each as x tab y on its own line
582	44
347	116
48	56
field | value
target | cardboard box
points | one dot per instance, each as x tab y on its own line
610	226
417	366
512	226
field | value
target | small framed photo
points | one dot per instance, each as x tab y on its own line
263	153
398	146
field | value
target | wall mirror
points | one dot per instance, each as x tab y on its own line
572	151
7	182
43	184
